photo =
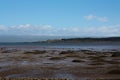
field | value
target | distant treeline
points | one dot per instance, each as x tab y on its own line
93	39
108	39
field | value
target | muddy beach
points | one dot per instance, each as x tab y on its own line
59	63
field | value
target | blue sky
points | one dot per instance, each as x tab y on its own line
94	18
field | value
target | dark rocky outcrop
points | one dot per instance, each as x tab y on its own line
114	71
115	54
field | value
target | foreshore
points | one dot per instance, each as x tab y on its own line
43	62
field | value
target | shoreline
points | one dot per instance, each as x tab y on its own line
31	47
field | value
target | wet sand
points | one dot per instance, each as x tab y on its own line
59	63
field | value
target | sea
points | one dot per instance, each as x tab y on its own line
80	45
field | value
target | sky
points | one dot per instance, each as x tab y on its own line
81	18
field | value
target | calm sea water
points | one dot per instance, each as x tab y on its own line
86	45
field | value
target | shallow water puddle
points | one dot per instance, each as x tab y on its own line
63	75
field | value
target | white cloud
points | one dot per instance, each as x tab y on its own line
28	29
90	17
21	27
104	30
44	27
103	19
98	18
3	28
92	31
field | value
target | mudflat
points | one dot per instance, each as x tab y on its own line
59	63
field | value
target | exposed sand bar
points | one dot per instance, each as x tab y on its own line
45	62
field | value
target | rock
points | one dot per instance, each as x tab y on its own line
67	52
57	58
115	54
77	61
116	71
